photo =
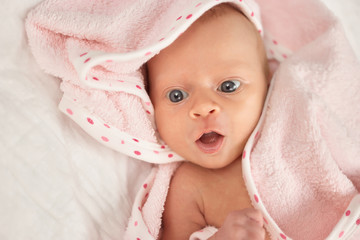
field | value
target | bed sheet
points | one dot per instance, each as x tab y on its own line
56	182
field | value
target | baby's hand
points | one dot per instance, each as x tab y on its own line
243	224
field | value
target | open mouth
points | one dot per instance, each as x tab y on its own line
210	142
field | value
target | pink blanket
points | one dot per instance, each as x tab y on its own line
302	169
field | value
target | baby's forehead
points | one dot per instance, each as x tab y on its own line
230	18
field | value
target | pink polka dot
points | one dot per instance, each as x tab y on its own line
138	239
178	18
282	236
139	209
135	140
106	125
259	31
256	198
69	111
105	139
358	222
109	61
138	87
275	42
170	155
148	103
83	54
90	121
161	39
271	51
148	53
137	153
156	152
189	16
162	147
198	5
347	212
135	223
145	185
148	112
122	142
244	154
341	234
240	0
87	60
95	78
252	14
284	56
120	81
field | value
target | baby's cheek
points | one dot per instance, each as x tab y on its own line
165	126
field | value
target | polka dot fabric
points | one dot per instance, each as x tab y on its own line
113	138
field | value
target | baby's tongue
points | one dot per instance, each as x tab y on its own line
208	138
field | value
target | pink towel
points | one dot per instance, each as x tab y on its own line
302	169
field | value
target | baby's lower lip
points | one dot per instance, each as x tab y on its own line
211	148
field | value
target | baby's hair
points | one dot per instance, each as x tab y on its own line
217	11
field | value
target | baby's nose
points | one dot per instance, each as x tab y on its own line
204	109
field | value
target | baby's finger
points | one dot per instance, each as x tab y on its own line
255	215
255	231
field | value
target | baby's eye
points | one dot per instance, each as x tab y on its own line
177	95
229	86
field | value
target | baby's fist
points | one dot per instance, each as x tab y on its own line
244	224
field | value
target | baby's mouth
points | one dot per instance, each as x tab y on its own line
210	142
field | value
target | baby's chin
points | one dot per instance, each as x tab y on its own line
214	162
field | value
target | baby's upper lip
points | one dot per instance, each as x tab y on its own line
208	131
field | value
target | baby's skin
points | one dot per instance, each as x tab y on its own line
208	89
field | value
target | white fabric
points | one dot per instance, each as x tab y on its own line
205	233
56	181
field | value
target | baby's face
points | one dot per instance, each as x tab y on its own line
208	89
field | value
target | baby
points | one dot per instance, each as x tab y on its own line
208	89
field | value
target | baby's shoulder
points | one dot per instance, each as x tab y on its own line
184	203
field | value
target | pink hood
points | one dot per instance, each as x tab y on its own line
303	167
